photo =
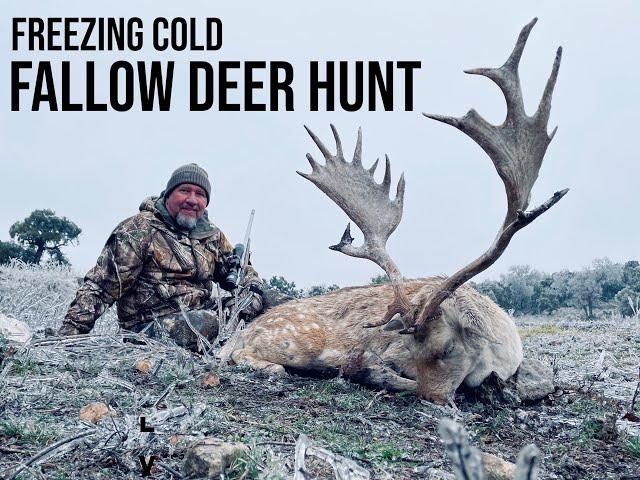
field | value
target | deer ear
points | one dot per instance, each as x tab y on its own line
478	326
472	318
396	323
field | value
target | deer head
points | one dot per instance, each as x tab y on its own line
441	323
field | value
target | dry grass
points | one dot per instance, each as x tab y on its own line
43	385
40	295
526	332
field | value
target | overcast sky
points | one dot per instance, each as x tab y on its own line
95	168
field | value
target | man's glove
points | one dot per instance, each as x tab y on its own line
251	310
254	308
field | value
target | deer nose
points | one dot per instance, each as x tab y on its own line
433	397
438	399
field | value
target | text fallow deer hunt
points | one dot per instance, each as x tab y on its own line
449	333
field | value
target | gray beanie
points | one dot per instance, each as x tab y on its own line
189	173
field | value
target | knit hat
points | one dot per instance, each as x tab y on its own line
189	173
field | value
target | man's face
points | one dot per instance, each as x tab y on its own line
186	204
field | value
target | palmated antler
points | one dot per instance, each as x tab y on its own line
367	204
517	148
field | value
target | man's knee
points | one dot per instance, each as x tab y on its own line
181	329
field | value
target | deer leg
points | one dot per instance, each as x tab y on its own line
244	357
383	378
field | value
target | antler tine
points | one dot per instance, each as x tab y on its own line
345	240
386	182
313	163
514	59
357	154
400	190
367	204
506	76
339	153
517	149
325	151
372	168
544	109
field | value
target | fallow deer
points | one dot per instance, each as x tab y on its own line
452	333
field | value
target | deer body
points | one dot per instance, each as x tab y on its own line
327	332
455	335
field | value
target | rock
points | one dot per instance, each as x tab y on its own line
521	415
439	474
628	428
496	468
421	469
180	442
209	457
94	412
209	380
143	366
534	380
492	391
14	330
510	397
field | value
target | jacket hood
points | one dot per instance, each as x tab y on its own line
203	229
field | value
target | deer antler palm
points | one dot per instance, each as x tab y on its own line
367	204
516	148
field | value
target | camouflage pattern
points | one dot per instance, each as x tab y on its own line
152	268
205	322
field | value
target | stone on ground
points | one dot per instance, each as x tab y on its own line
14	330
209	457
143	366
534	380
209	380
94	412
497	468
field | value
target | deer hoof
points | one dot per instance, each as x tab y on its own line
275	369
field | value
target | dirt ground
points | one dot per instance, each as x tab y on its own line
580	429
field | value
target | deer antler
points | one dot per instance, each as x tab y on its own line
367	204
517	148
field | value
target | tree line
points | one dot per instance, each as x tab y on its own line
522	290
603	284
290	289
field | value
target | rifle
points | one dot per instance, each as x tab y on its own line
246	252
237	262
242	252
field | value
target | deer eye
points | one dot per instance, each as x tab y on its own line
447	351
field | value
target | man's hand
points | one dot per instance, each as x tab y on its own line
252	309
255	307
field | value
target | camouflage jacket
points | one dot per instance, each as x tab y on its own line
152	268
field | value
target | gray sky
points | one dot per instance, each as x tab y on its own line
95	168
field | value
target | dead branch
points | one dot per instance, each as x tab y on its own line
343	468
57	447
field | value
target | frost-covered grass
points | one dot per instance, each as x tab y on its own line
40	295
43	386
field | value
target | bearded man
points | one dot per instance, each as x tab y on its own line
161	265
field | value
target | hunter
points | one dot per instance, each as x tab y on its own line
161	265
